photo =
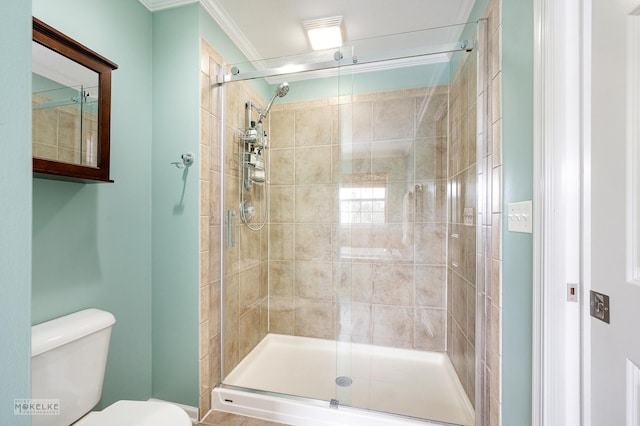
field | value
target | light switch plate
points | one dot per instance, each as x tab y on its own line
520	217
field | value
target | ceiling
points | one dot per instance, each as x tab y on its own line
265	29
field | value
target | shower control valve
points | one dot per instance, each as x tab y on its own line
247	211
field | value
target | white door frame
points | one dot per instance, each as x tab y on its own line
559	147
585	205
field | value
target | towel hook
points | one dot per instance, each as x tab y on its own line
186	160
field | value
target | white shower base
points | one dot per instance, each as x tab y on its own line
398	381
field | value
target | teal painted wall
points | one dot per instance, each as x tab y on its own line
92	242
176	204
517	249
108	229
132	244
15	209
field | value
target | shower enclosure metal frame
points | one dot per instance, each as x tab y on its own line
483	202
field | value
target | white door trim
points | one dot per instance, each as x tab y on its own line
633	141
585	205
557	202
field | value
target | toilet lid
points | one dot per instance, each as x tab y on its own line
137	413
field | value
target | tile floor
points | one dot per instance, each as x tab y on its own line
218	418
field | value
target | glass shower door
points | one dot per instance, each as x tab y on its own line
364	273
405	231
279	298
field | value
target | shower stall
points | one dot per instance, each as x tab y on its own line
354	192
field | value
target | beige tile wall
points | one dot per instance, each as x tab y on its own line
380	283
493	225
489	175
245	298
245	258
463	187
468	181
462	198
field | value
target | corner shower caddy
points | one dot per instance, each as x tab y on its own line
253	164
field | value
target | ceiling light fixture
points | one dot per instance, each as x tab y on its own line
324	33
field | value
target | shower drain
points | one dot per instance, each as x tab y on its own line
344	381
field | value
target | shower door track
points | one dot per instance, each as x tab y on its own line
296	410
353	61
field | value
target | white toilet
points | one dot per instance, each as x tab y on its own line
68	359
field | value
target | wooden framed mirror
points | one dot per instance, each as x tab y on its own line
71	107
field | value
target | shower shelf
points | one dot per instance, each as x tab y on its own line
253	166
253	161
252	142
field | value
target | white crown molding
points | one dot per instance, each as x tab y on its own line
155	5
228	25
146	3
219	14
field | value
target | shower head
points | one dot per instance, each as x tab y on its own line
281	92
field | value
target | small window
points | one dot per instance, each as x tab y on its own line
363	199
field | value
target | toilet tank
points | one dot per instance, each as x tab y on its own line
68	359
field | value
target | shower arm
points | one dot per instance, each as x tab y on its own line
280	92
262	113
258	109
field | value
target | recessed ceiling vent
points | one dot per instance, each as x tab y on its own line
324	33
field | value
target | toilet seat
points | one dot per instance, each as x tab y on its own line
137	413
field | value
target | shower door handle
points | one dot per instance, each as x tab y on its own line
231	227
